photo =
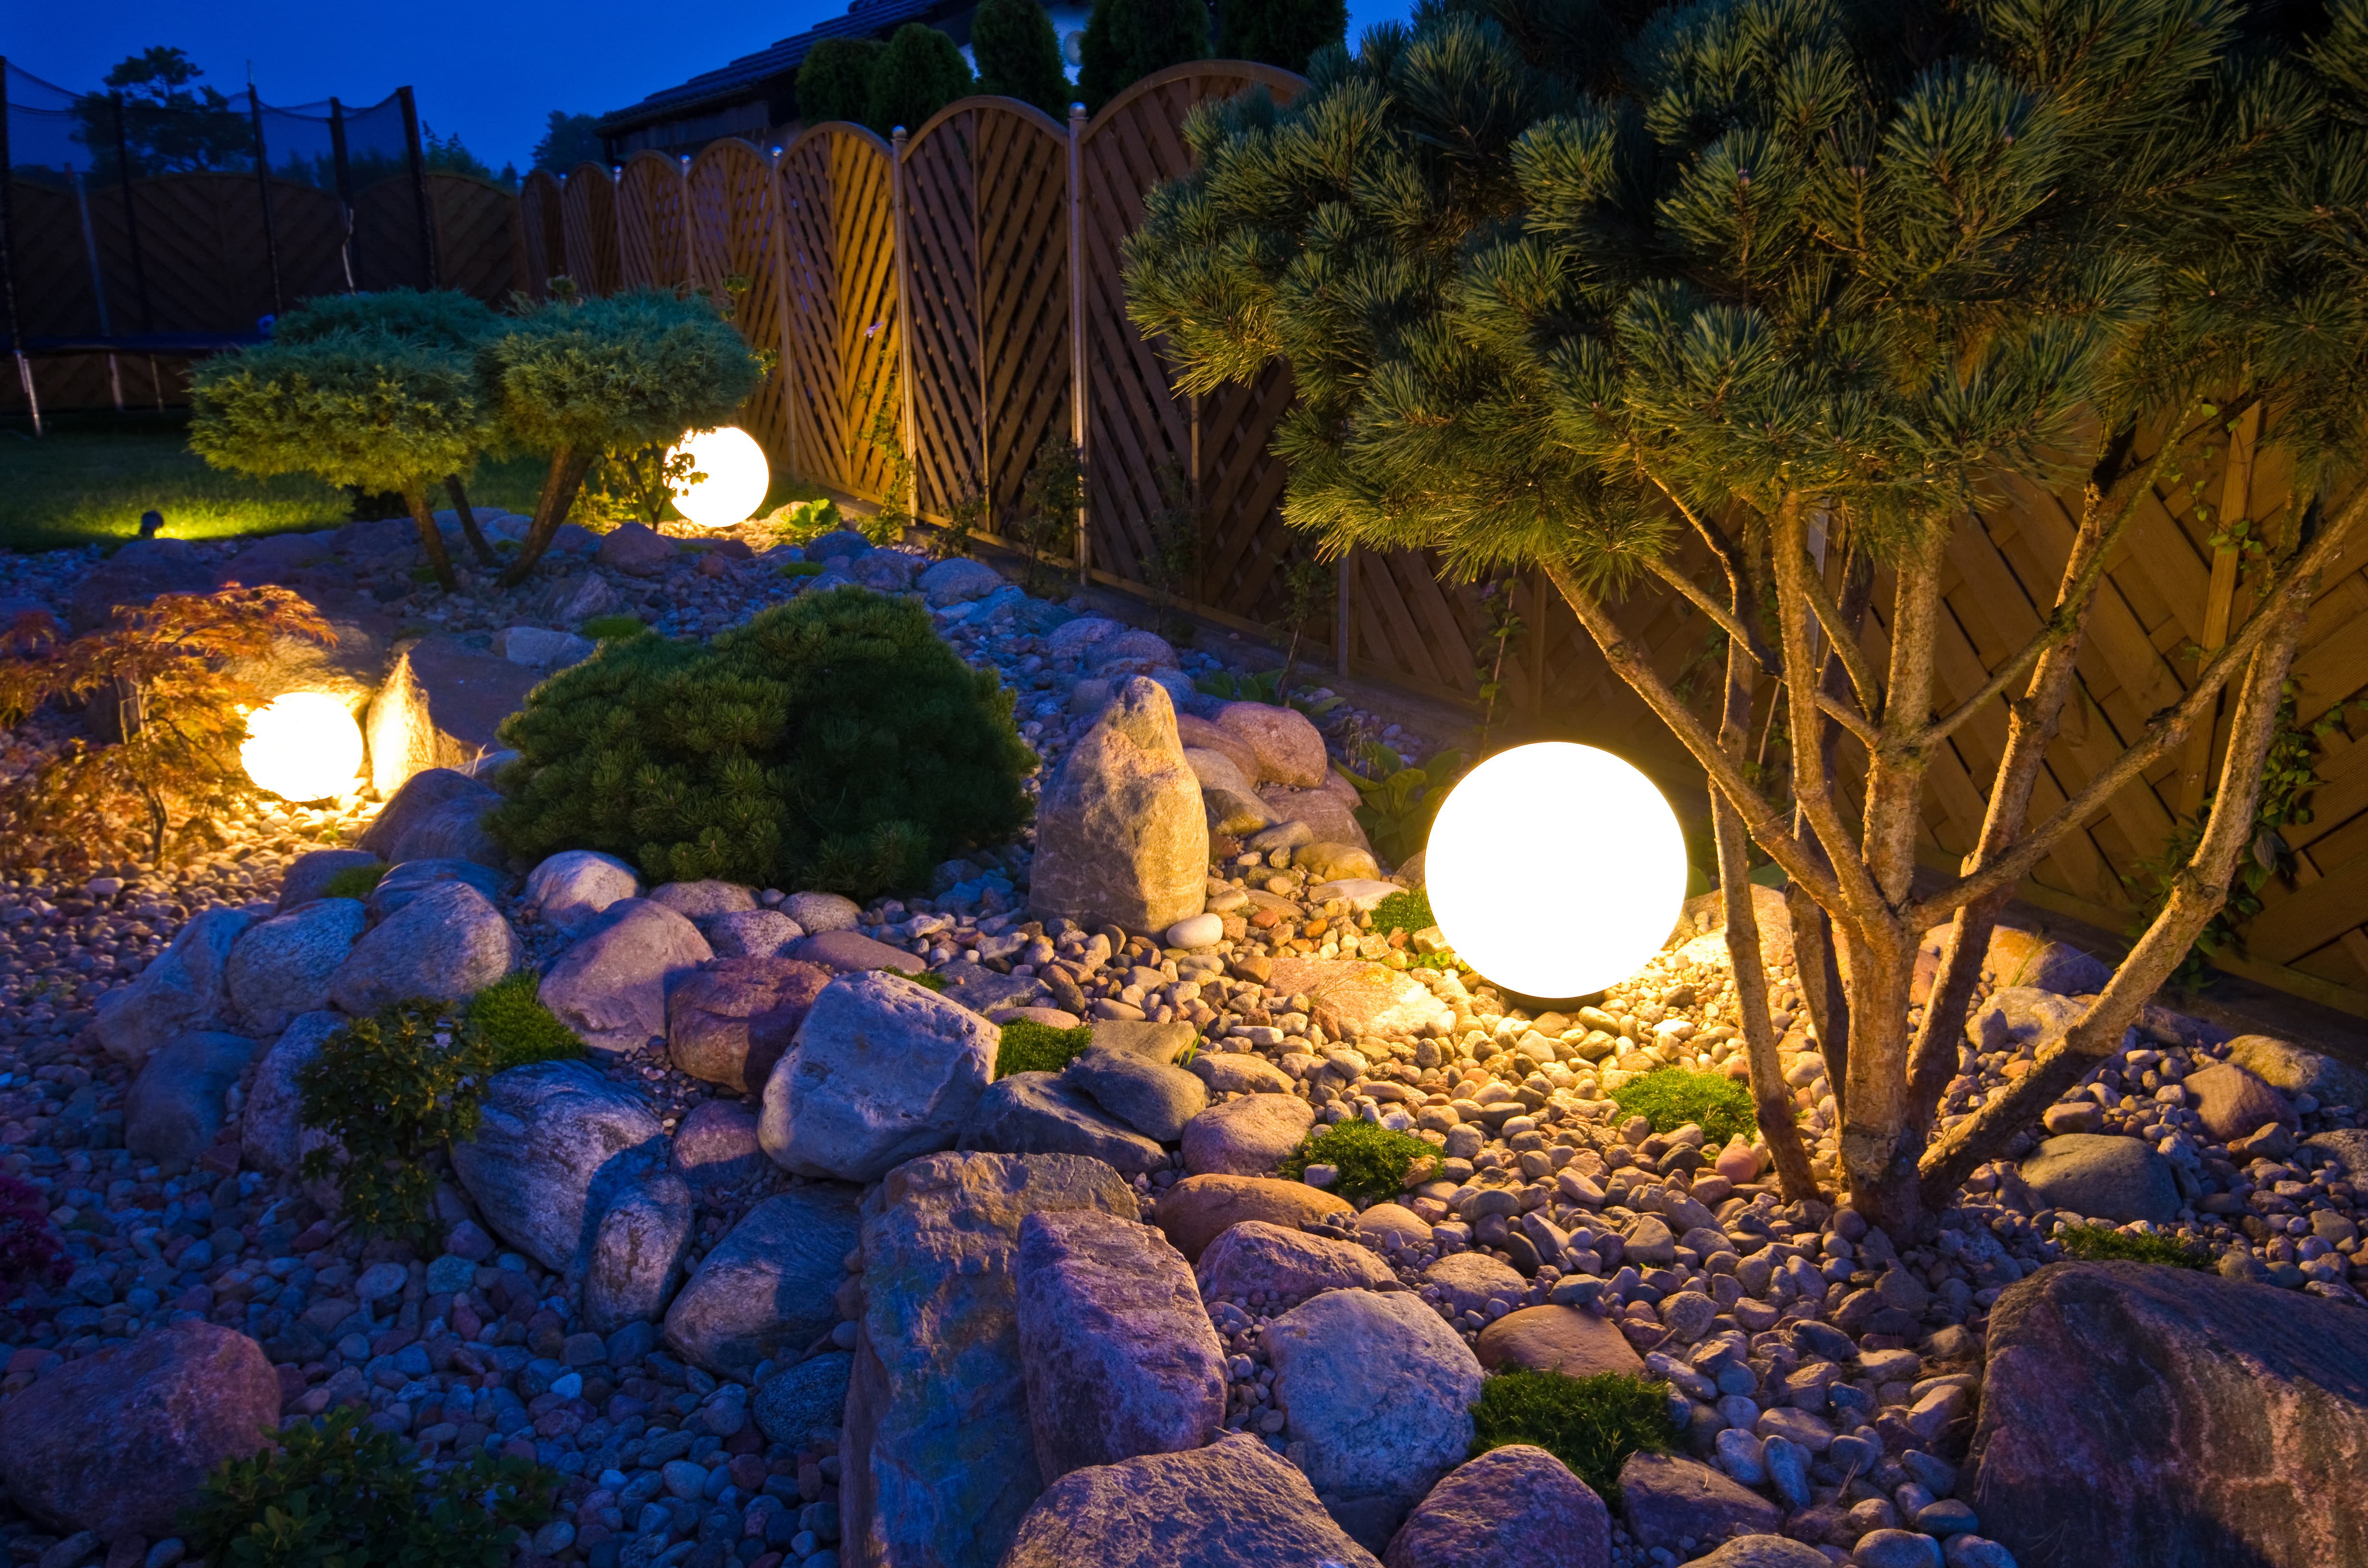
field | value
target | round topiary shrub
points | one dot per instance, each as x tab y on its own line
833	742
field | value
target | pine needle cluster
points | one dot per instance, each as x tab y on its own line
833	742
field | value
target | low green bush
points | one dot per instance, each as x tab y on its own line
1669	1097
1590	1423
833	742
517	1026
1404	912
390	1089
1029	1047
2102	1244
336	1494
1371	1159
601	627
355	881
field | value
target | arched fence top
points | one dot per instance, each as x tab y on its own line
599	169
1026	112
648	157
846	128
1284	84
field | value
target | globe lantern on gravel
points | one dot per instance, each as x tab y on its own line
729	477
1555	870
303	745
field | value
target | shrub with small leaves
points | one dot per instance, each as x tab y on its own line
1027	1046
356	882
1669	1097
1590	1423
1371	1160
517	1026
2102	1244
337	1493
30	1253
391	1089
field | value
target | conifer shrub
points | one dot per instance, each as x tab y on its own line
830	743
1590	1423
600	628
334	1493
835	80
1672	1097
1019	57
1026	1046
390	1089
1372	1160
921	71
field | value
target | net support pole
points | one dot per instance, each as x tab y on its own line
263	193
905	316
132	218
345	179
99	286
418	187
8	258
1078	320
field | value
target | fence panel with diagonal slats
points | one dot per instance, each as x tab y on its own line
588	217
734	222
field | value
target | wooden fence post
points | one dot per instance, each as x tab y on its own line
897	238
1077	322
2220	598
776	208
689	231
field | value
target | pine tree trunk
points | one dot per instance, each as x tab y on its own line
431	539
1878	1143
559	483
469	521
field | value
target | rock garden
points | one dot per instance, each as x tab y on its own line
1156	1186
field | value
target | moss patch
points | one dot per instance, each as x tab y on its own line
517	1026
355	881
1672	1097
1372	1160
1027	1046
2100	1243
1592	1424
1404	912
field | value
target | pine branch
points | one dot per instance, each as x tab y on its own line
1845	646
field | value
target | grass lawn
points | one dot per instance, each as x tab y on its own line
87	481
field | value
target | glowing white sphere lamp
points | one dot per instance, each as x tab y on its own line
303	745
734	477
1555	870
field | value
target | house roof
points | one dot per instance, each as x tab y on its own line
741	78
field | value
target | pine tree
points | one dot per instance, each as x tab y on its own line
1561	287
1128	39
1281	32
835	80
920	73
1019	57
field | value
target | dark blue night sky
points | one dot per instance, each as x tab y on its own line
490	70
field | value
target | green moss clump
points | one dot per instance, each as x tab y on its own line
2101	1244
1672	1097
798	569
517	1026
1590	1423
355	881
601	627
1404	912
926	979
1029	1047
834	743
1372	1160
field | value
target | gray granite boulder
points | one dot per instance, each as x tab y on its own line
271	1132
446	942
1516	1506
1275	1268
768	1290
882	1069
436	814
184	987
282	967
1041	1113
1665	1499
405	883
551	1131
611	986
934	1470
2102	1176
633	1259
1380	1392
730	1022
2296	1070
1154	1098
817	913
441	708
716	1146
1249	1136
1120	838
697	901
1118	1354
570	890
750	933
1236	1504
805	1401
176	1105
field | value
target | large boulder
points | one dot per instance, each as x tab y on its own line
176	1105
1236	1504
2293	1069
2101	1176
440	707
2136	1413
636	550
730	1022
405	883
570	890
750	933
1329	817
611	986
308	875
1119	837
185	987
1665	1499
716	1146
1380	1392
1200	1209
958	580
882	1069
1116	1350
1288	748
698	901
1516	1506
1273	1268
282	967
1348	997
1042	1113
352	668
122	1441
1557	1339
817	912
844	952
555	1137
931	1472
633	1259
766	1292
1249	1136
1228	794
2019	1016
446	942
436	813
272	1136
2018	958
2233	1103
1153	1097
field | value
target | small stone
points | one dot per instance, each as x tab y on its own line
1197	931
1896	1549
